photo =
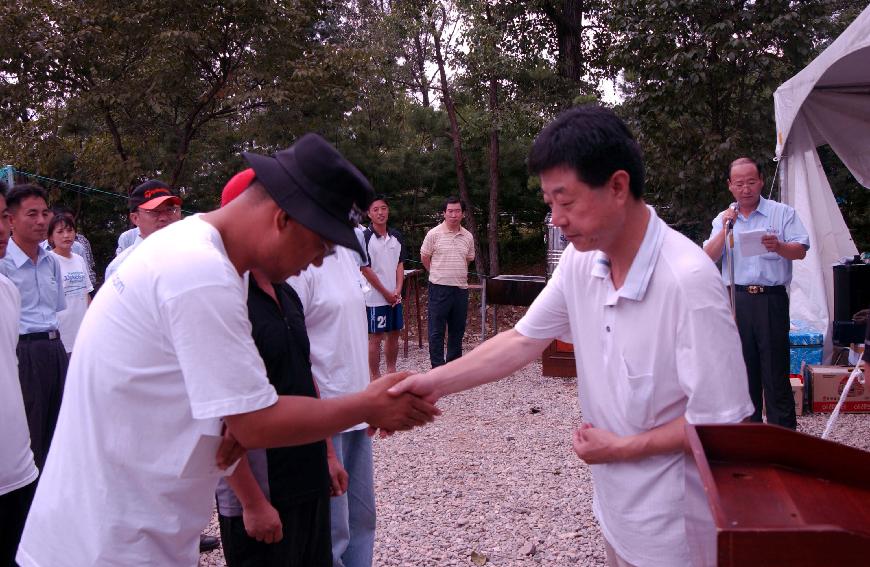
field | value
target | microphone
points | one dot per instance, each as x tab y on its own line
731	221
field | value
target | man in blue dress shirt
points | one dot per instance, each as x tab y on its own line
761	297
42	360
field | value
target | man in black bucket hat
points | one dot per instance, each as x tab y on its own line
302	181
165	364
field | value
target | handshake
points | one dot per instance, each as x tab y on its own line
394	402
399	402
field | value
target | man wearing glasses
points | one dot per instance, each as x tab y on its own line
153	206
761	298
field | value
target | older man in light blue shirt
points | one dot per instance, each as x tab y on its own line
760	281
42	359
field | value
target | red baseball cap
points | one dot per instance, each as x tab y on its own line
236	185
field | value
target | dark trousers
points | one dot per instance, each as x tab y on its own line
13	511
42	368
306	542
763	323
448	307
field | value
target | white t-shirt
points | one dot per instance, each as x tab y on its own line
76	287
662	346
164	353
335	318
16	458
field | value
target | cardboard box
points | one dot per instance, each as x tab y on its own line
827	383
797	390
805	345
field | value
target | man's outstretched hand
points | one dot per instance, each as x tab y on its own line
420	385
399	410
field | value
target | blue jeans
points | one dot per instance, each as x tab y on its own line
353	513
448	307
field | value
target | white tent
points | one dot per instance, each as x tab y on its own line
828	102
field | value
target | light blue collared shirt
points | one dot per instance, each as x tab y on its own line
769	268
40	286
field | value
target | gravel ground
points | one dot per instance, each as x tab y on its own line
495	478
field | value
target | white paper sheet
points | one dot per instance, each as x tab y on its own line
202	462
750	242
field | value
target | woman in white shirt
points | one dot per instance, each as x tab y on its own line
76	281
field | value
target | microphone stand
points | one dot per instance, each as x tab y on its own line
729	256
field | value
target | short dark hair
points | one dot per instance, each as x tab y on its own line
379	197
452	200
594	142
744	161
63	219
23	191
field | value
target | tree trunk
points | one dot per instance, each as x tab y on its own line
492	224
567	15
420	61
113	130
458	156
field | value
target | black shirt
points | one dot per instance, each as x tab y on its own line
295	473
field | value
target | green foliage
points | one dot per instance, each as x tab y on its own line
699	81
104	94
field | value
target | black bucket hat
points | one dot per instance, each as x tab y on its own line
316	186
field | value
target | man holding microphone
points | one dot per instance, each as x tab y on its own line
761	299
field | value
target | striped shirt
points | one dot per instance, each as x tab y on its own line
450	252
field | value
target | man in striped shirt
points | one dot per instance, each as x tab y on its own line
446	252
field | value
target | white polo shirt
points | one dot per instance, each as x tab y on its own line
385	253
165	351
662	346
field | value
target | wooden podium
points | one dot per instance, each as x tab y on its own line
558	360
781	498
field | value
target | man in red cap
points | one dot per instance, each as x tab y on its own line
153	206
165	361
274	510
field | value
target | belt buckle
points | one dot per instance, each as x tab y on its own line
755	289
53	335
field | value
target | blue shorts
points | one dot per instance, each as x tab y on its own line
384	318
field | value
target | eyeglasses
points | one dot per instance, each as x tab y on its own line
743	184
167	211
